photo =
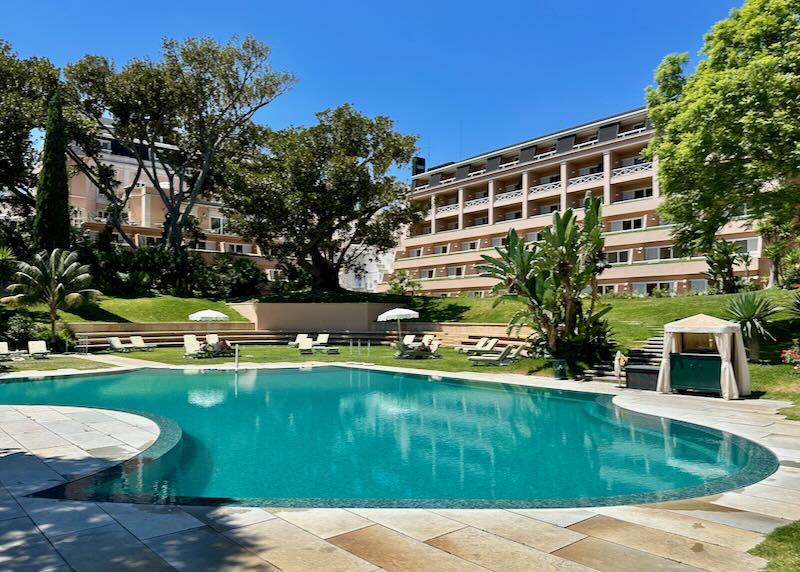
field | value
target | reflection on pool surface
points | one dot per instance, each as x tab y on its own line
335	436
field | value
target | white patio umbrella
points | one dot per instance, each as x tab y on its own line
398	314
208	316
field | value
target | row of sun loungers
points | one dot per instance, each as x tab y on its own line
37	349
213	347
308	346
137	344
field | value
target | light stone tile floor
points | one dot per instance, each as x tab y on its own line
41	446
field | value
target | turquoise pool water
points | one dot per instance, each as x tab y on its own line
335	436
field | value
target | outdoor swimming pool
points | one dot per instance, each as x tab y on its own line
336	436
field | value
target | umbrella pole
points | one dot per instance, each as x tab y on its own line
398	331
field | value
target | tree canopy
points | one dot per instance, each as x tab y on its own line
317	198
176	117
728	133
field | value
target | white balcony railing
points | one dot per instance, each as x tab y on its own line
508	196
445	181
632	132
509	164
585	144
447	209
476	173
590	178
544	155
476	202
421	187
632	169
546	187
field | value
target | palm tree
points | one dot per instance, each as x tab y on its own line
8	264
752	311
57	280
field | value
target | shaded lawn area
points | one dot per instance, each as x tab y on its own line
51	363
379	355
152	309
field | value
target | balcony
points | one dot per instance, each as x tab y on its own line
452	208
448	180
508	165
590	178
476	173
508	196
631	170
554	186
632	132
585	144
476	202
421	187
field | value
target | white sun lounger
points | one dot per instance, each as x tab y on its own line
116	345
37	349
502	358
138	343
479	346
297	340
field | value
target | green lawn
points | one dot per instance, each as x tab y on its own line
782	549
51	363
380	355
153	309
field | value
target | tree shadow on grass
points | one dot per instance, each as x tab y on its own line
94	313
437	310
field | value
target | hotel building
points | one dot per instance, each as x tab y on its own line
475	201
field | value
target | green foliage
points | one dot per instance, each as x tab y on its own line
548	278
8	264
795	308
229	277
25	87
317	197
781	548
401	283
753	312
51	225
721	258
57	280
20	330
178	118
728	133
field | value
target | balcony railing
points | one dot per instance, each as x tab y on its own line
447	209
508	164
632	132
507	196
585	144
476	173
421	187
590	178
476	202
445	181
554	186
544	155
631	169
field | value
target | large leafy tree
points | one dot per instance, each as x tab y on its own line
555	280
728	133
318	197
56	280
51	225
26	84
176	117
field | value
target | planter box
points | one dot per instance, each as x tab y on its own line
641	377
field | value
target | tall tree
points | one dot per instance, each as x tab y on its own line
51	225
318	197
25	87
176	117
728	133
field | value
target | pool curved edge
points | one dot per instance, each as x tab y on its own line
762	463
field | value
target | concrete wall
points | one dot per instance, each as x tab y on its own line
309	317
188	327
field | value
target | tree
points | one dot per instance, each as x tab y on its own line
51	224
728	134
25	87
8	264
57	280
752	311
177	118
401	283
721	258
318	197
549	279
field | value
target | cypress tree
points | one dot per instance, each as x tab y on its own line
51	224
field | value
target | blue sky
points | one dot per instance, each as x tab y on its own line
464	76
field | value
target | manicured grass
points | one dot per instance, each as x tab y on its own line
153	309
379	355
53	362
781	548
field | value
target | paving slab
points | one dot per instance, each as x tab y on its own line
148	521
416	523
226	517
606	556
61	517
24	549
324	522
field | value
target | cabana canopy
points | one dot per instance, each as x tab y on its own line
734	375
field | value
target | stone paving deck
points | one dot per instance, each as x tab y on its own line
41	446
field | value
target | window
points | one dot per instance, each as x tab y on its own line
471	245
476	294
659	253
618	256
533	237
426	230
455	271
513	215
549	179
635	160
479	220
647	288
201	245
415	252
427	273
480	194
512	187
236	248
150	240
452	225
274	274
547	209
637	194
626	224
604	289
698	285
217	224
441	249
499	241
746	244
76	216
590	170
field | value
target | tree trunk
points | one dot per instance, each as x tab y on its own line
53	320
754	348
325	274
774	272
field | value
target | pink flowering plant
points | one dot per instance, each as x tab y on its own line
792	355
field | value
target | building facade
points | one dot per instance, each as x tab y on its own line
474	202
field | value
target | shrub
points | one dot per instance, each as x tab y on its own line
753	312
20	329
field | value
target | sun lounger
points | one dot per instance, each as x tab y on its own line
427	339
212	339
192	347
306	346
37	349
501	358
488	348
116	345
139	344
479	346
4	353
297	340
322	339
409	340
420	352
